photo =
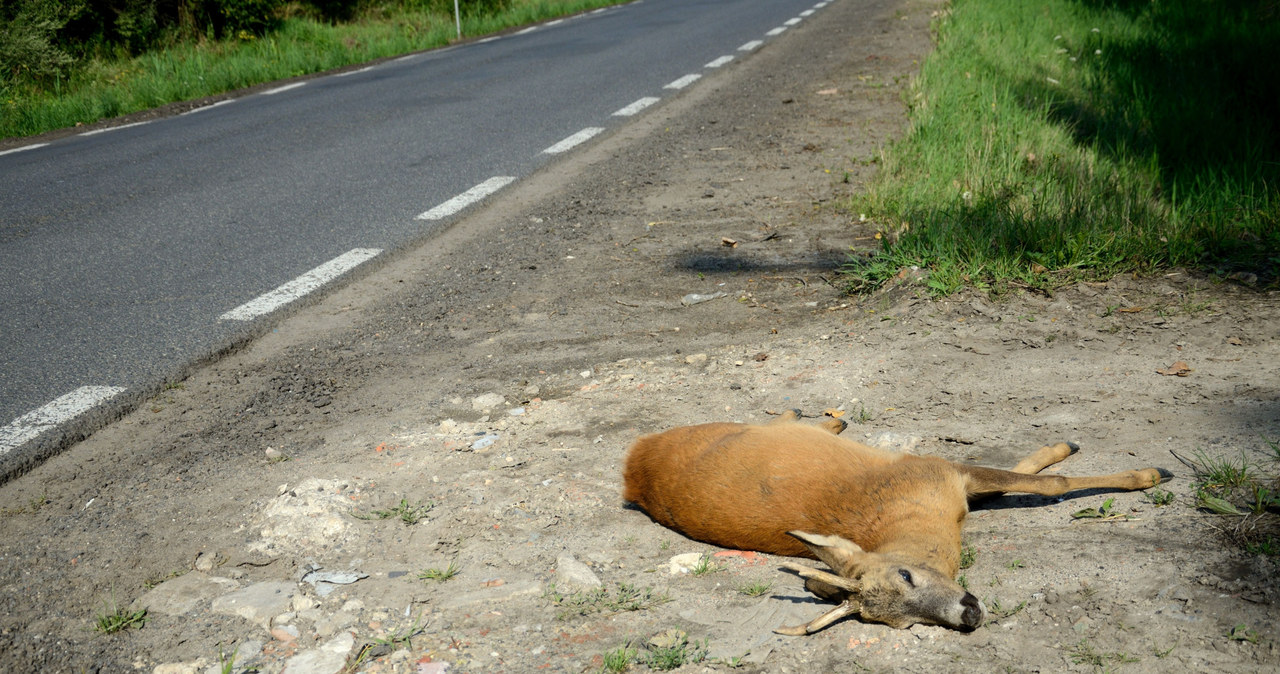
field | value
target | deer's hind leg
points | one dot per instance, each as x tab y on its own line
832	425
992	481
1044	457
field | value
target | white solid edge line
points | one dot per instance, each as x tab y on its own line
467	198
113	128
210	106
636	106
295	85
776	31
308	282
553	23
683	81
574	140
24	148
60	410
530	29
720	61
751	45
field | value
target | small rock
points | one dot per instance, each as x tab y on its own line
184	593
685	563
697	298
696	359
192	667
575	574
485	441
257	603
487	401
329	658
285	633
205	562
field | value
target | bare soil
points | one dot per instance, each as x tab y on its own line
498	373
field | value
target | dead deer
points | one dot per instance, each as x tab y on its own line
888	524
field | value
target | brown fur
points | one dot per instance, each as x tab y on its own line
758	487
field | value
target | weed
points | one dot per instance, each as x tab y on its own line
32	506
756	589
968	555
598	600
963	581
1084	654
118	619
440	575
227	663
618	659
1164	653
1105	513
1242	632
863	416
160	578
1017	564
408	513
672	649
402	637
999	612
1160	497
705	566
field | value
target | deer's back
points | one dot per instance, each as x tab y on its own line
744	487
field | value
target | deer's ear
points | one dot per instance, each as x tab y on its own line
841	554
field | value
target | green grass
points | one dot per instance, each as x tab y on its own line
1057	140
756	589
1245	496
113	620
440	575
618	659
109	87
406	512
598	600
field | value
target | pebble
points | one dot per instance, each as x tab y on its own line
329	658
257	603
487	401
574	574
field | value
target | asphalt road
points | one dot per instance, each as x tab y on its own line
128	255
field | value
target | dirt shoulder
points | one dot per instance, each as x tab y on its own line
486	386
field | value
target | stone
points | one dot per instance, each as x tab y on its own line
487	401
258	603
685	563
192	667
184	594
308	518
574	574
329	658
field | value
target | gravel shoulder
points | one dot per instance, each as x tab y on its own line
482	390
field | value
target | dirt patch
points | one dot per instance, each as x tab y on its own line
435	450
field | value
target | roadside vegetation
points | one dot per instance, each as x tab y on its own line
1063	140
69	62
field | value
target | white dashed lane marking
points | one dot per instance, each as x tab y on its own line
301	286
573	141
683	81
635	107
30	425
467	198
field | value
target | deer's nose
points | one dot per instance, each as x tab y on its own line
973	612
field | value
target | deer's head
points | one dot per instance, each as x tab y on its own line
885	588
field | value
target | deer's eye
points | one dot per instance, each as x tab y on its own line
906	575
